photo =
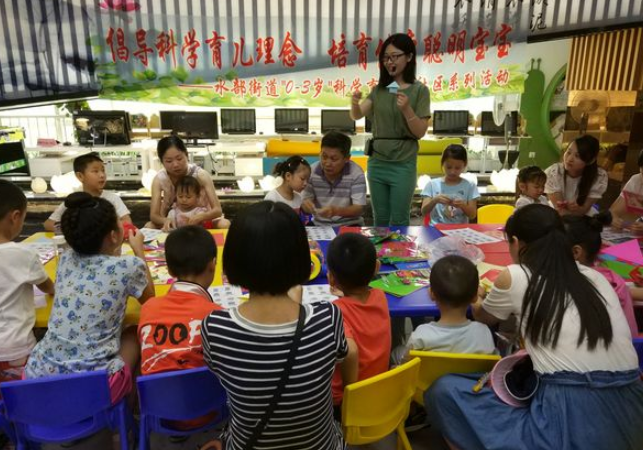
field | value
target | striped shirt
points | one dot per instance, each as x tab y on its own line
249	359
349	189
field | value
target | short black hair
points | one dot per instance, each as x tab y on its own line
266	249
86	222
352	259
640	160
454	151
454	281
189	250
340	141
531	174
169	142
12	198
188	183
81	162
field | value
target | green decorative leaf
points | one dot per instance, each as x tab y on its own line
180	74
150	74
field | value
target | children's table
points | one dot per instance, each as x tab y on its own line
416	304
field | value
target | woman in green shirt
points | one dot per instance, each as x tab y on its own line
399	114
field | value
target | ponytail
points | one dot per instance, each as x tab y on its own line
587	147
586	232
554	281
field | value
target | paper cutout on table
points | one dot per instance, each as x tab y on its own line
39	298
628	251
393	87
633	202
614	236
226	296
313	293
321	233
150	234
391	252
471	236
44	249
621	268
402	282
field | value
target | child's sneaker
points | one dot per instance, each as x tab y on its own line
416	420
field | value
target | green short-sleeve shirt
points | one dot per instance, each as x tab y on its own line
393	139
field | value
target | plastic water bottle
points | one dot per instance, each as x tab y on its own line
60	246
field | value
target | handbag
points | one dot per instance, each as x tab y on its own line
258	430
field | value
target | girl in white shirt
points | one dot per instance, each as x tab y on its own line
590	393
576	184
621	217
294	173
531	185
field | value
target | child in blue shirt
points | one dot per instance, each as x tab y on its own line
93	281
451	199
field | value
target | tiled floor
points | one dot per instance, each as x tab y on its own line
420	440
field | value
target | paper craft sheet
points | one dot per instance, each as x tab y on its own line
313	293
627	251
471	236
228	296
402	282
616	236
151	234
321	233
45	249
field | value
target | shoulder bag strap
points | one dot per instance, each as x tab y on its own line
256	434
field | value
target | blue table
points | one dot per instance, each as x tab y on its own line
417	304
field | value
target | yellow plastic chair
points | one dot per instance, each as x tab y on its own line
495	214
374	408
436	364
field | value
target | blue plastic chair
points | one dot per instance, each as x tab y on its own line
638	345
176	396
5	425
63	409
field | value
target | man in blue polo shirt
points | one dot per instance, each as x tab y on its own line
336	191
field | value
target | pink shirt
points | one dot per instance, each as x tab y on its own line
624	296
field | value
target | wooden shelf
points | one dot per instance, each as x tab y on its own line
612	137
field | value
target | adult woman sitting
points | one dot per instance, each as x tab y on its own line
174	156
590	394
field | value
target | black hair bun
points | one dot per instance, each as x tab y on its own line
80	200
600	220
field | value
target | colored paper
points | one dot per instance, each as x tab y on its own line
621	268
402	282
627	251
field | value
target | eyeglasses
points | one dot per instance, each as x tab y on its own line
393	57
